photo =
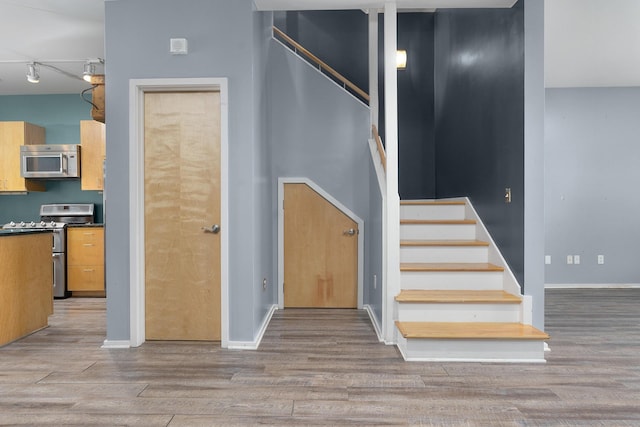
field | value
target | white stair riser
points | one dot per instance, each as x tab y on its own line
471	350
438	312
432	211
444	254
437	231
451	280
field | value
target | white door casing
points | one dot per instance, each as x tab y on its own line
137	89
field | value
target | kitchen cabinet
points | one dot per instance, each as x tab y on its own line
12	136
85	259
92	141
26	279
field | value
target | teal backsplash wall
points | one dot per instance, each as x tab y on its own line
60	115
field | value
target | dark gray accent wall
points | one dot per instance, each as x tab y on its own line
338	37
416	130
592	204
479	118
221	44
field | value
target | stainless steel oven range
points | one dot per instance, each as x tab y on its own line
56	217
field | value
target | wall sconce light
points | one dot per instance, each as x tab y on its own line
401	59
32	73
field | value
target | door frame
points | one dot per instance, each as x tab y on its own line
342	208
137	89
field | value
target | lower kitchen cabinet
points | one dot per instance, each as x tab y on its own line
85	259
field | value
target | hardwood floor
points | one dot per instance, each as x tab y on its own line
325	367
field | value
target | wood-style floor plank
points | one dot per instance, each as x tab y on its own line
325	367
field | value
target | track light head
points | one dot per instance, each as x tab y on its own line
32	73
89	71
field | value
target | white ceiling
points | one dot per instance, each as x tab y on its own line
587	42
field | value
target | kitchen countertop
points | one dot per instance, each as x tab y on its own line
14	231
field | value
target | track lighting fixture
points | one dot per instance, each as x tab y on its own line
89	71
32	73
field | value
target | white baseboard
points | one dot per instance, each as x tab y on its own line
116	344
591	285
374	321
253	345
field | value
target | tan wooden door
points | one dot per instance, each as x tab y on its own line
320	251
182	196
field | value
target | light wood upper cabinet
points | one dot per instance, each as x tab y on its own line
12	136
85	258
92	140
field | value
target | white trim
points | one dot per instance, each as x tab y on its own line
374	322
591	285
285	180
116	344
137	88
391	218
253	345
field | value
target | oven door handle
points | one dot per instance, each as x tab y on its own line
64	163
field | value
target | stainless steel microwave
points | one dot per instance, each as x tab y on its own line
50	161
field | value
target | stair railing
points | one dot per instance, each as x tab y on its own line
383	156
322	66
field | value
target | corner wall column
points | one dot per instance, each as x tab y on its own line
392	208
534	100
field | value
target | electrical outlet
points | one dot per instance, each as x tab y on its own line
547	259
576	259
569	259
264	284
600	259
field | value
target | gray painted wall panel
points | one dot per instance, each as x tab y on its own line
220	45
318	131
592	204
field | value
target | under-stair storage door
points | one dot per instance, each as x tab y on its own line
320	251
182	210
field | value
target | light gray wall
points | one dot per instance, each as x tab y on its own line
317	131
266	238
373	247
592	203
221	44
534	99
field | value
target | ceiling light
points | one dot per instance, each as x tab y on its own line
32	73
89	71
401	59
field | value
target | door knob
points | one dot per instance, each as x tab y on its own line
215	229
349	232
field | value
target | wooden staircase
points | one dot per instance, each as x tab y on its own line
453	304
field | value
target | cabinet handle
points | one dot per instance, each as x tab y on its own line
88	233
88	270
88	244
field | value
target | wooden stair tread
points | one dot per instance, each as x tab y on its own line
461	243
432	203
450	266
438	221
457	296
470	330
